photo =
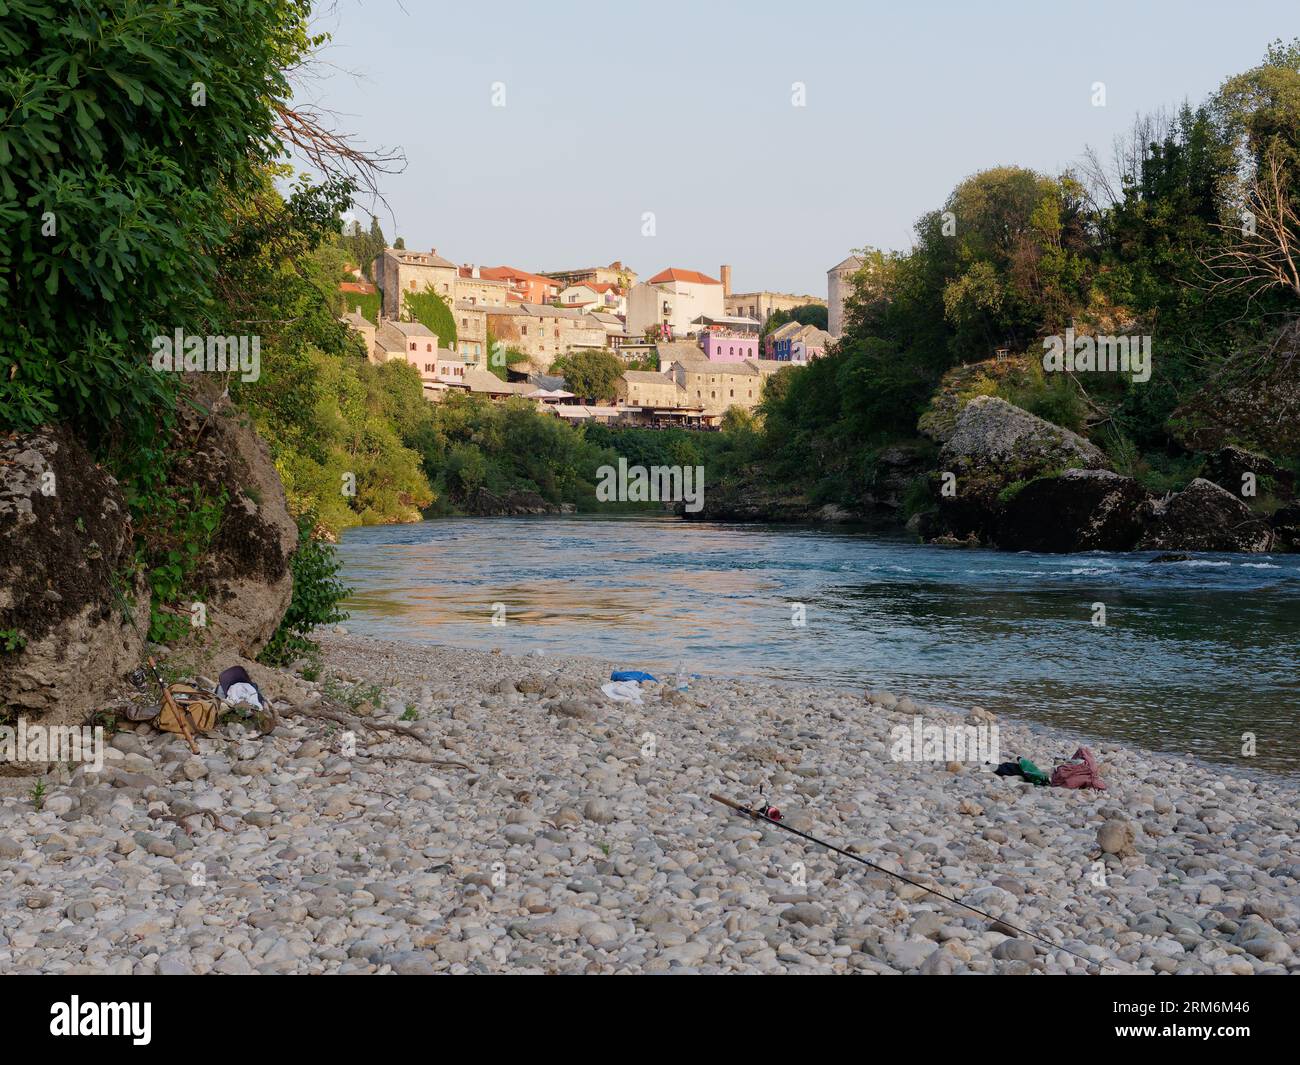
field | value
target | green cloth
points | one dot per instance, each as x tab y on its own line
1032	773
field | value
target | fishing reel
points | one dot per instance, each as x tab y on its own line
768	811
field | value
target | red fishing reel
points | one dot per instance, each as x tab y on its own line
770	812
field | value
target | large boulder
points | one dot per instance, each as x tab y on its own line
1204	517
1234	468
963	383
72	607
1286	527
994	450
245	572
1078	510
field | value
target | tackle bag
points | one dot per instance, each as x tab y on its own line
189	710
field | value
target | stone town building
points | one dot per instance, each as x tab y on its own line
473	288
647	388
543	332
717	386
522	286
591	296
809	343
671	300
471	331
776	344
671	352
482	382
761	305
613	274
793	342
398	272
839	284
414	343
365	329
613	326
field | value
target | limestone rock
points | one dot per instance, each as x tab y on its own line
1204	517
1117	837
67	582
1079	510
247	563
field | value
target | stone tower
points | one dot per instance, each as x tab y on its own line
838	286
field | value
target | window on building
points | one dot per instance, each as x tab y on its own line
428	347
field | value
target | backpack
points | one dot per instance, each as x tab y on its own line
189	711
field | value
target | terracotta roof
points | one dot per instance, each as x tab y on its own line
674	274
510	273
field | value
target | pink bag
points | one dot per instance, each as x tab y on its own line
1081	771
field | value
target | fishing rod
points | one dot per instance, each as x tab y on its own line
770	815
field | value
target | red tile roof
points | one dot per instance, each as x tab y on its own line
674	274
510	273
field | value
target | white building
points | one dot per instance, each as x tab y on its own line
672	300
595	296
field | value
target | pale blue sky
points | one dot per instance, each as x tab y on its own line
684	109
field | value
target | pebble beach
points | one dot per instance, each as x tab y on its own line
529	823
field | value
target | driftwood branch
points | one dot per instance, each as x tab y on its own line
327	712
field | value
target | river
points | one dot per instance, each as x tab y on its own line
1192	655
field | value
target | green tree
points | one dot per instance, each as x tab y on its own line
590	374
126	127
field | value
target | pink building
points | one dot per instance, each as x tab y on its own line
727	338
723	345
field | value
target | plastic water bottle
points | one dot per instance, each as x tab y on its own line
683	681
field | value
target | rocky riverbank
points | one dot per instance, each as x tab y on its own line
581	839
